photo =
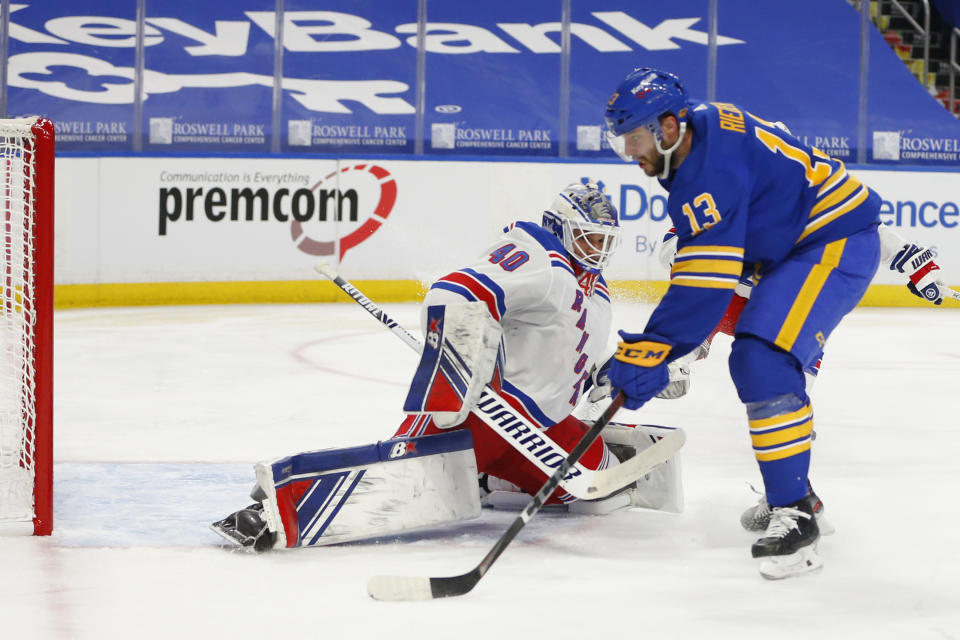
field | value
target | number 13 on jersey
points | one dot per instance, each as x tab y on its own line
703	214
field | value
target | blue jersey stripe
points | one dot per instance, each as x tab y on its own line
564	266
543	420
455	288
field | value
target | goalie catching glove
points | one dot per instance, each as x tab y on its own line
678	371
639	367
598	384
917	263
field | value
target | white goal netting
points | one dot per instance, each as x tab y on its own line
17	324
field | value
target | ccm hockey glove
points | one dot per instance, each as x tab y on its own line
639	367
917	263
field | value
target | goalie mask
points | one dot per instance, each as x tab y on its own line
586	222
645	96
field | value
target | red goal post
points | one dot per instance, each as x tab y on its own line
26	326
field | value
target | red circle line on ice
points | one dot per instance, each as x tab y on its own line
388	196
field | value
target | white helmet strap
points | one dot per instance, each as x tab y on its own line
668	153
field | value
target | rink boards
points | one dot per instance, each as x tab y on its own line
161	230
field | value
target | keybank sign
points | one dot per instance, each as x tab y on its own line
72	41
333	31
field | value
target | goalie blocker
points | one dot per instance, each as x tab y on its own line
462	354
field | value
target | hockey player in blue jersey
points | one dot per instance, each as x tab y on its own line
747	199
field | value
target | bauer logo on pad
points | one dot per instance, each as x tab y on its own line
433	331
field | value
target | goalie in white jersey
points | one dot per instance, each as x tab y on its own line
542	284
510	342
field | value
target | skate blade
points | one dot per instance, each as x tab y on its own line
235	543
806	560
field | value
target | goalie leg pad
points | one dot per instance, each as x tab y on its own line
462	354
662	488
391	487
512	498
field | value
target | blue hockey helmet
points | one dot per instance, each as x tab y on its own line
643	97
585	220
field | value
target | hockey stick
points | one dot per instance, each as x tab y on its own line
419	588
323	267
582	482
954	293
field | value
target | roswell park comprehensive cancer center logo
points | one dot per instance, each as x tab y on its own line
325	217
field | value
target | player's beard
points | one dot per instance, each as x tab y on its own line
653	166
658	164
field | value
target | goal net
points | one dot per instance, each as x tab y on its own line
26	326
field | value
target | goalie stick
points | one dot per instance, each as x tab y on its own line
585	483
323	267
420	588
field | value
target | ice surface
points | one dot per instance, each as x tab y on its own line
161	412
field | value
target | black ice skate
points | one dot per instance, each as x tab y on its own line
246	529
789	546
757	517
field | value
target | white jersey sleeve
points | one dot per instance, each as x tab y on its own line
553	331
